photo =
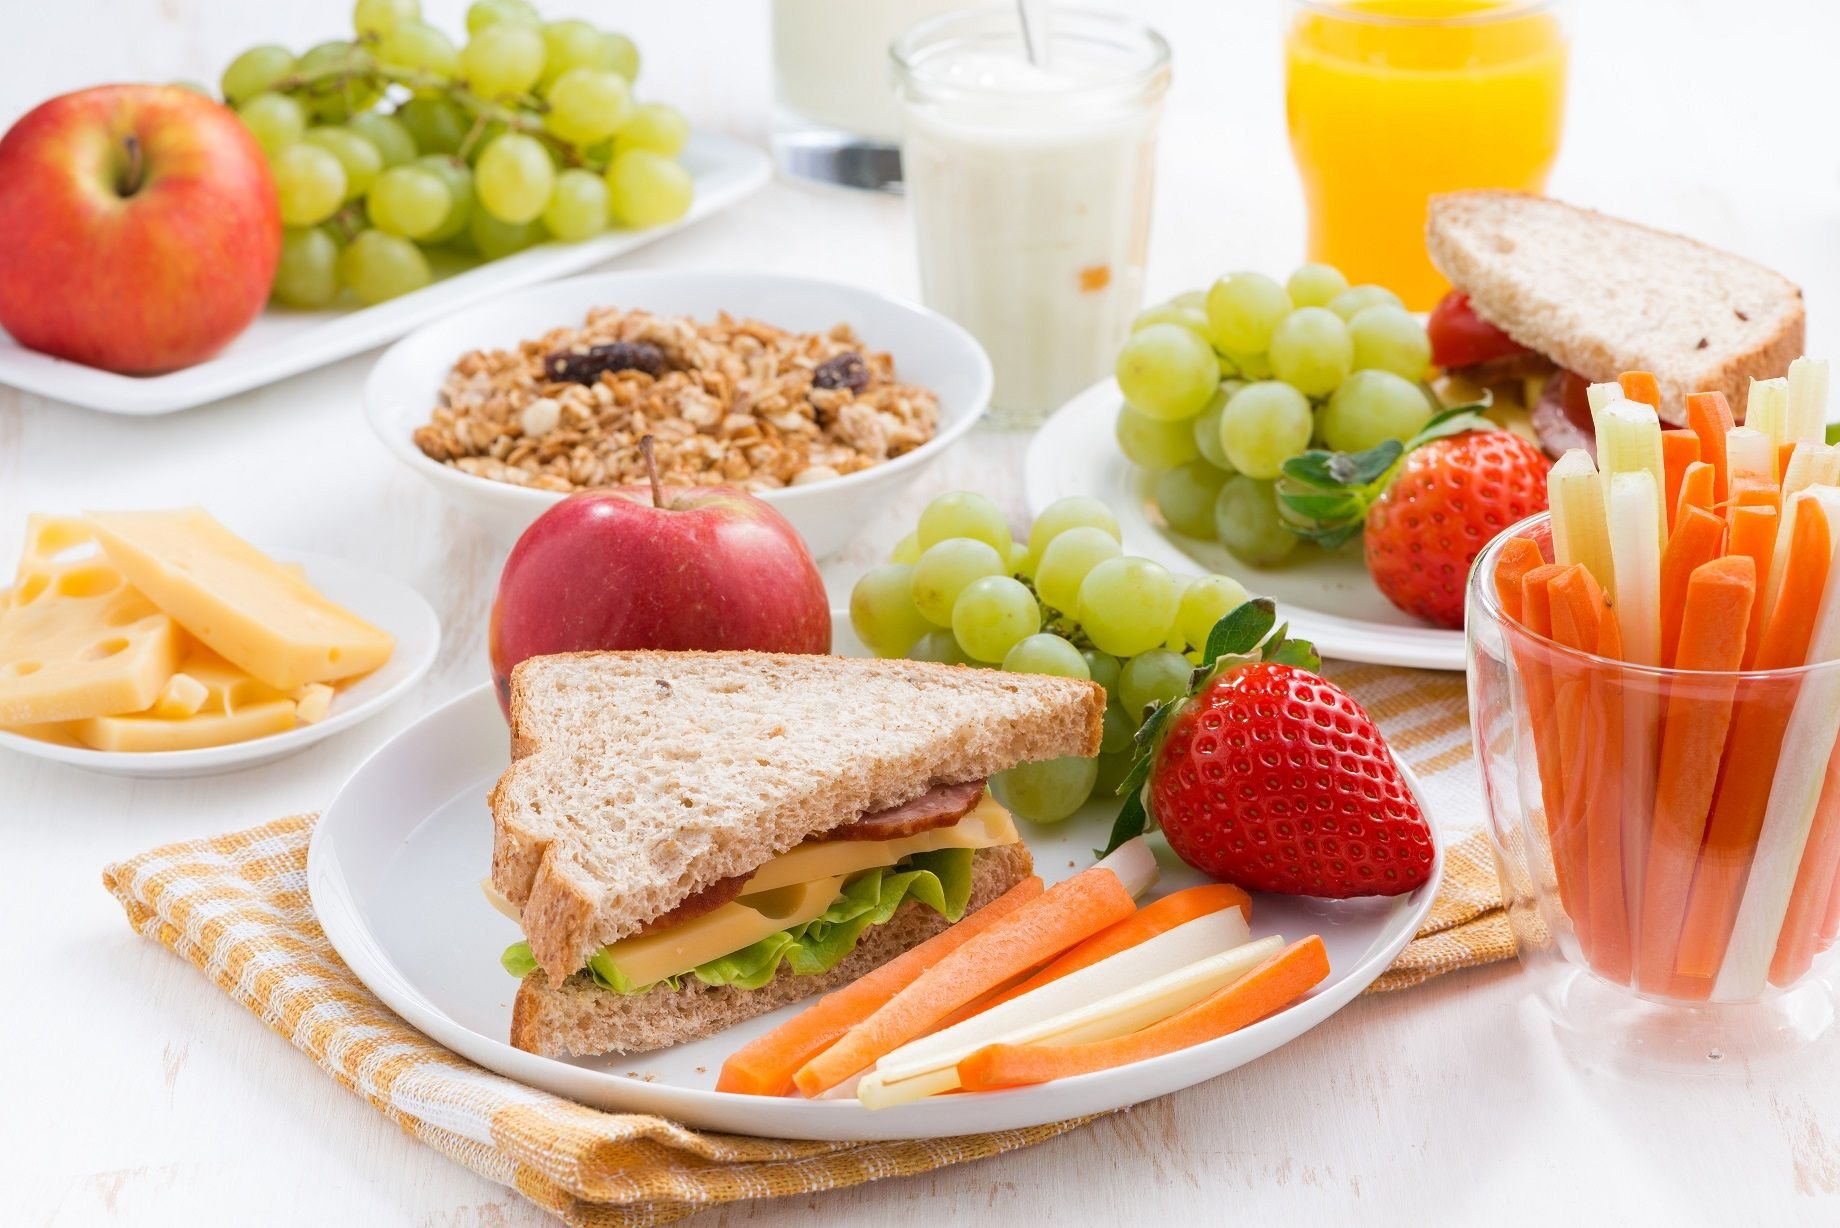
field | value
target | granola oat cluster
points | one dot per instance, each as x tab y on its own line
733	402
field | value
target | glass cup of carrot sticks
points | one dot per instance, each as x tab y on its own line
1655	700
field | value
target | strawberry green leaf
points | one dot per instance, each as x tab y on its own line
1300	653
1133	820
1319	506
1331	538
1274	642
1453	421
1239	631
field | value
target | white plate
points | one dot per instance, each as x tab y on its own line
394	871
374	597
281	342
928	350
1328	598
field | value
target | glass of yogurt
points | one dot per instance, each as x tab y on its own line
1030	187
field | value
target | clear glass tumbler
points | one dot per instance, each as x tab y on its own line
1030	188
1668	840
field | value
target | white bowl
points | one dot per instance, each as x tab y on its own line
928	350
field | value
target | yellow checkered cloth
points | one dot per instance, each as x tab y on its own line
236	906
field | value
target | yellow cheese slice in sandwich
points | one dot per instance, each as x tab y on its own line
677	949
987	826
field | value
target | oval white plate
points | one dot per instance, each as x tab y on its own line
1328	598
394	871
928	350
377	598
282	342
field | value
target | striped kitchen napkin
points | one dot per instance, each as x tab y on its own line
236	906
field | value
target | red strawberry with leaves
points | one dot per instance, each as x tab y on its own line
1426	507
1271	777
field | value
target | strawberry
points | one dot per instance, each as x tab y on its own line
1271	777
1428	507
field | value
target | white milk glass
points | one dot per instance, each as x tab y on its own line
1031	189
839	121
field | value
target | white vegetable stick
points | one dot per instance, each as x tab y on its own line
1749	454
1808	399
1795	789
1793	505
1766	409
1123	1013
1599	395
1173	949
1581	532
1636	555
1134	864
1628	440
1810	464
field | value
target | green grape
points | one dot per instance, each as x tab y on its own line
1192	298
419	47
275	120
1248	366
1049	791
1388	338
514	175
656	126
1247	522
502	60
1243	309
387	136
309	184
1192	318
1206	427
307	273
648	189
623	55
379	17
1350	303
1151	677
907	550
882	610
378	266
1314	285
945	569
357	157
573	44
1166	372
964	513
437	124
495	238
1152	442
1104	668
1311	351
1186	497
1021	562
1264	425
1113	768
1046	653
408	201
1070	512
994	614
459	180
1127	605
1116	730
588	105
483	13
341	76
941	646
577	209
256	70
1371	407
1067	560
1205	602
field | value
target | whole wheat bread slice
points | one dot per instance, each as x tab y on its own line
1600	296
640	778
578	1018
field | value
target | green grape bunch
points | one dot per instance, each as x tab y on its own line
401	143
1063	599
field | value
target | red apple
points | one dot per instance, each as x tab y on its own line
138	228
675	568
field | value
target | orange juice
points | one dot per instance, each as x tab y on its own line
1391	101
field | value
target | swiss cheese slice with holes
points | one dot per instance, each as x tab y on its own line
259	615
76	639
210	703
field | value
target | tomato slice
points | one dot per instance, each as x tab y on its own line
1461	338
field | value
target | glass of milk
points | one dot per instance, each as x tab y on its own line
838	120
1030	188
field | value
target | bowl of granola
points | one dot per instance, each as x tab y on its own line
819	397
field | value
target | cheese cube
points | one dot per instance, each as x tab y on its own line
312	702
234	708
256	613
76	640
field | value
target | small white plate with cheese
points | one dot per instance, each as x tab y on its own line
409	837
381	600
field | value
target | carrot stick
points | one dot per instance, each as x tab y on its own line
1641	386
1268	988
1698	537
1696	489
1551	743
1718	602
1830	929
1814	880
1753	536
1710	418
1679	448
1518	556
1754	492
1156	917
765	1065
1790	625
1785	455
1065	914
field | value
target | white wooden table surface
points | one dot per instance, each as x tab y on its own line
133	1092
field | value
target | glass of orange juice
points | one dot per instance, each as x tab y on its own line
1391	101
